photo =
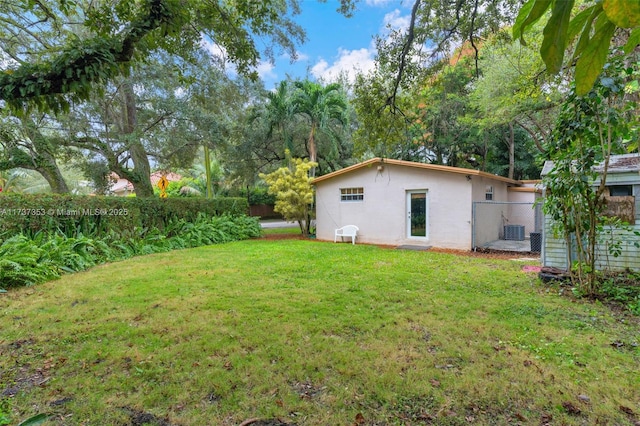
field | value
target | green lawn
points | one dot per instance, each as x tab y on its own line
314	333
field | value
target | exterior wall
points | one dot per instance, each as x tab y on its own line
489	218
554	252
382	215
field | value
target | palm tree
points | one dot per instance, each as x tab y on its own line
324	110
279	113
10	179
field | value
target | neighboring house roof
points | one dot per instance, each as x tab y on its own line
121	185
436	167
524	189
171	177
624	163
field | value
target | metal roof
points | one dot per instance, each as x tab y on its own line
624	163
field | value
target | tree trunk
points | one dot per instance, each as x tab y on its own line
49	170
140	176
313	154
512	151
43	163
207	172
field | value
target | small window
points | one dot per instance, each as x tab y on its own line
621	203
488	193
351	194
620	191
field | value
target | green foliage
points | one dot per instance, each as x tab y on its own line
294	193
594	27
261	195
20	263
255	195
45	256
380	132
75	215
306	118
38	419
324	111
623	288
4	413
589	129
76	59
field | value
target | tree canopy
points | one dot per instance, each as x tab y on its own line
594	26
57	47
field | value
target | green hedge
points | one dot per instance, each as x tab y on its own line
73	215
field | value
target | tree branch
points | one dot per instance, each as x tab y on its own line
391	100
79	65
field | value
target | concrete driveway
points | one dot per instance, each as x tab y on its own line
274	223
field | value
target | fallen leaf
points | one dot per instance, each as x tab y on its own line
628	411
570	408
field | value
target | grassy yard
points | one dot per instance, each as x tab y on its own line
313	333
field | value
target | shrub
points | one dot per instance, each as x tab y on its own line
90	216
28	260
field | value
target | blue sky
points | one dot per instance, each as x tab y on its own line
337	44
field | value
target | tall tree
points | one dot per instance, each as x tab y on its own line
66	47
435	28
589	130
512	92
30	142
325	112
380	132
154	118
279	114
61	47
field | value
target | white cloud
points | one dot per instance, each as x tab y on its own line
349	63
378	3
265	70
219	52
214	49
300	57
396	21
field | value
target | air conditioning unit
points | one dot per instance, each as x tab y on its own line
514	232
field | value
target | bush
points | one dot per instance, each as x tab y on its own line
82	215
622	288
28	260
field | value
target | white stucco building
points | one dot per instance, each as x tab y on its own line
398	202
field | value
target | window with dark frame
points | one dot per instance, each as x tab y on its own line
488	194
620	190
351	194
620	203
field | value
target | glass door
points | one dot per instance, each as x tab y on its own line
417	214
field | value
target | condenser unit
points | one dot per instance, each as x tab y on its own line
514	232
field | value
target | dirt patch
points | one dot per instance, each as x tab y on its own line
268	422
27	381
307	390
140	418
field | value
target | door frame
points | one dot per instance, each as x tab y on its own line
408	213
